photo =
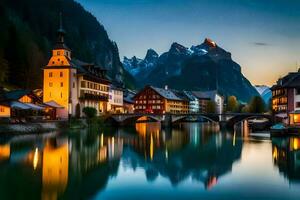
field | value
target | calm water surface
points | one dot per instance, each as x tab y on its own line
192	161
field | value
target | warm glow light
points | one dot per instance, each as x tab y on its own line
233	141
35	158
151	147
275	153
4	151
296	144
101	140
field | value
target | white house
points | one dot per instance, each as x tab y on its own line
115	99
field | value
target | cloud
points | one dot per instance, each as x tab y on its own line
260	44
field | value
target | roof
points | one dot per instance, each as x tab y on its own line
167	94
14	95
53	104
90	69
290	80
205	95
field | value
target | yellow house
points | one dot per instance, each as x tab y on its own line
71	83
4	111
10	100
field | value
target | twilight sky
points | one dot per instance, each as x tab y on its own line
262	35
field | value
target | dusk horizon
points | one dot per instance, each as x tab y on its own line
260	35
149	99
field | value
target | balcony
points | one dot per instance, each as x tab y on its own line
93	97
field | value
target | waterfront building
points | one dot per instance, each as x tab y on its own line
193	102
128	101
71	83
205	97
286	98
115	102
13	103
159	100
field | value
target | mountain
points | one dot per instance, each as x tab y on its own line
28	32
201	67
141	67
264	92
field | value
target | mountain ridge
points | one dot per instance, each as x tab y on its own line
206	66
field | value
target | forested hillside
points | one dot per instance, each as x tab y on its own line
28	32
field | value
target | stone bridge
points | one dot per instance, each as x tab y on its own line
227	120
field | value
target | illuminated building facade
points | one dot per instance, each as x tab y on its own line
159	101
286	98
13	102
115	102
205	97
71	83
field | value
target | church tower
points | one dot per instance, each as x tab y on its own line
58	75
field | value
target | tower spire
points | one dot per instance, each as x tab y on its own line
60	32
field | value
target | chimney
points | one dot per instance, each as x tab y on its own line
166	87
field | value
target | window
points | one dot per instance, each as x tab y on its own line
1	109
298	91
50	74
58	53
61	74
61	94
73	84
50	84
50	94
61	84
83	84
297	104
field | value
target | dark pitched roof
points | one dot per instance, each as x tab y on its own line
90	69
16	94
205	95
290	80
167	94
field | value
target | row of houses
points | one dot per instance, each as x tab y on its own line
164	100
286	99
69	85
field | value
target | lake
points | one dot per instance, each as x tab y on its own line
190	161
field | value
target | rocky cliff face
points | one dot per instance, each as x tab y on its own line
201	67
28	32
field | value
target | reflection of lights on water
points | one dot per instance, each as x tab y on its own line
275	153
35	158
113	146
151	147
101	140
296	143
167	154
233	140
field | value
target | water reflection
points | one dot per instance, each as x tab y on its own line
286	156
190	151
89	164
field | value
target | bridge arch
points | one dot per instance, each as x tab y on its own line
130	119
239	118
181	117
